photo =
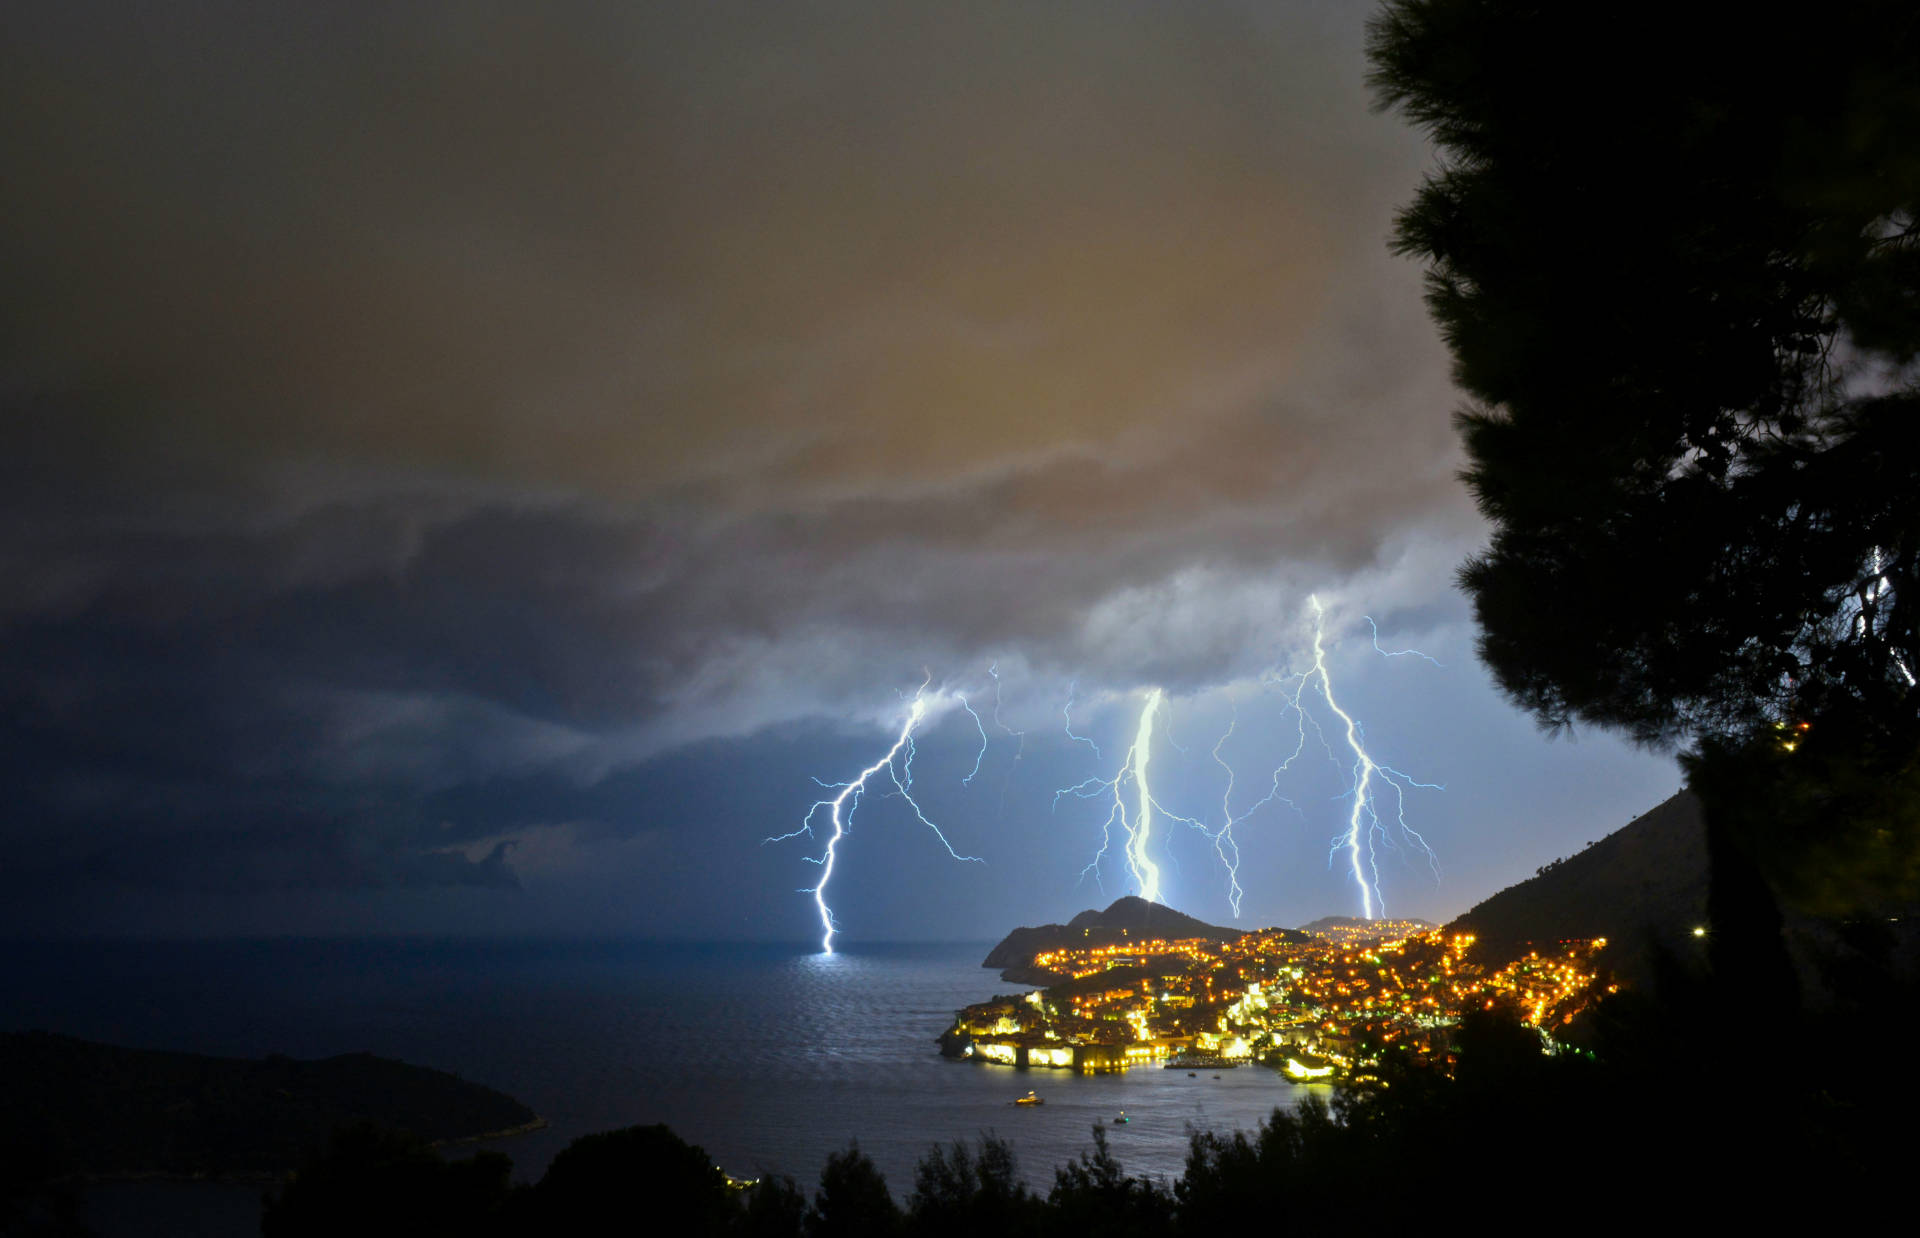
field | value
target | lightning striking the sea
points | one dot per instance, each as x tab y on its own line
898	764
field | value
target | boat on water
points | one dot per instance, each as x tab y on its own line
1123	1119
1030	1099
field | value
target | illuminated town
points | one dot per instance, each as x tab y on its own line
1316	1008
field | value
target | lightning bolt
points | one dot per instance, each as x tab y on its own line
982	754
993	670
1224	843
1145	872
1129	782
1019	749
840	809
1365	827
1066	711
1867	604
1395	653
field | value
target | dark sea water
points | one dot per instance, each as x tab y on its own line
769	1057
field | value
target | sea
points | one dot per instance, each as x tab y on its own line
769	1057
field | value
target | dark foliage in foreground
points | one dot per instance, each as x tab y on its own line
1675	255
1676	260
391	1182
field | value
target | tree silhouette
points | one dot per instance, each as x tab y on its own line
622	1180
960	1191
377	1182
773	1207
852	1201
1676	256
1093	1195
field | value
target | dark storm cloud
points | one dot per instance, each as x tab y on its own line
401	399
312	855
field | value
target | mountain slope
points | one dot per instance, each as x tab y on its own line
1645	885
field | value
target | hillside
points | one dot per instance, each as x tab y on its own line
76	1107
1644	884
1126	919
1327	926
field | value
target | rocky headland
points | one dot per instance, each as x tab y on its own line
1126	920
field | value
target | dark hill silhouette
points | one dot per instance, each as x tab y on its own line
1136	914
76	1107
1125	920
1642	887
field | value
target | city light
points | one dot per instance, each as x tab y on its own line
1316	1009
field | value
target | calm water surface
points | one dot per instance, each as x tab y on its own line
769	1057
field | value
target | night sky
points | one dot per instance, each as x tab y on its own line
469	468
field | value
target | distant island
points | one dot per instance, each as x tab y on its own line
76	1109
1125	921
